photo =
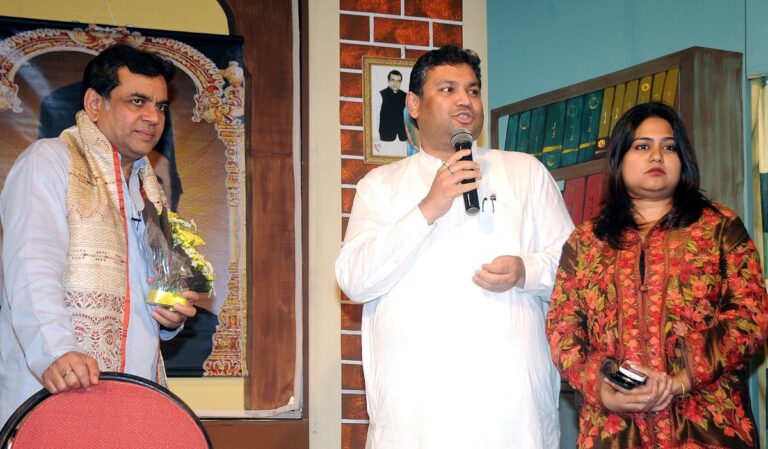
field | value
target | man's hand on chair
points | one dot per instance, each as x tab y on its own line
72	370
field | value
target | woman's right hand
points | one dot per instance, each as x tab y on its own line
655	395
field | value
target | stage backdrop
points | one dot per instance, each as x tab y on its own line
200	157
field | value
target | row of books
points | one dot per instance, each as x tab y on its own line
577	129
582	197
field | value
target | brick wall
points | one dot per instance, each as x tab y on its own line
382	28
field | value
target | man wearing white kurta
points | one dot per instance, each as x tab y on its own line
75	261
454	349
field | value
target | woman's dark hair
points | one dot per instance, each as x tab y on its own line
101	72
447	55
616	211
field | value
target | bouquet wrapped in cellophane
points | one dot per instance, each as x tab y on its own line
178	266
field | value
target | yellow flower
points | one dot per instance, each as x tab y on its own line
189	238
184	234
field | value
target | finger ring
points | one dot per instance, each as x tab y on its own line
66	373
448	167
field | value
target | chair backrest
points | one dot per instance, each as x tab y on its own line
122	411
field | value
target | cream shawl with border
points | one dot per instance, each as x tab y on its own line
96	276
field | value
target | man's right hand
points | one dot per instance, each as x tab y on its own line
72	370
447	185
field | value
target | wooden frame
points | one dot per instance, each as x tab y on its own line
378	149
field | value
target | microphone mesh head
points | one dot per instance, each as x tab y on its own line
461	137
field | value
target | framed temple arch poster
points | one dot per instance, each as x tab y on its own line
41	66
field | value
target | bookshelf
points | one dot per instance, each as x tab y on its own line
707	94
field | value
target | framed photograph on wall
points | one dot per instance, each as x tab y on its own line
389	132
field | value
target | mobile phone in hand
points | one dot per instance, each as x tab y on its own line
636	376
624	376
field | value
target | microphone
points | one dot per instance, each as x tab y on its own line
461	139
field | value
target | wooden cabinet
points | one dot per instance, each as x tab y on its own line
708	96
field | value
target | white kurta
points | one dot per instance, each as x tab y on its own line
35	326
448	364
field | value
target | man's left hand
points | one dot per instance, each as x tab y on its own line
178	314
501	275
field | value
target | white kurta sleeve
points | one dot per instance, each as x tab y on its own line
35	242
378	250
553	226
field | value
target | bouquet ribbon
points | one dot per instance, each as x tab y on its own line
165	298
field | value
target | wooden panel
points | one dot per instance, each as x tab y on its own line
714	123
271	229
272	326
263	434
579	170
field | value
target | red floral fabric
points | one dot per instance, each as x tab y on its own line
701	308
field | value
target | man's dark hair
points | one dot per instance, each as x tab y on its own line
448	55
101	72
394	72
616	211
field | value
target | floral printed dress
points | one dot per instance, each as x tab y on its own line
699	306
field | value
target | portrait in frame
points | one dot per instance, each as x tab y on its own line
202	149
389	132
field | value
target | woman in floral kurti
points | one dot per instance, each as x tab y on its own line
668	281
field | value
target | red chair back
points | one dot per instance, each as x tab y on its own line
121	412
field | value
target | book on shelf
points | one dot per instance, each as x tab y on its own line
524	132
593	195
590	123
511	138
618	105
552	148
630	95
573	197
538	128
670	86
644	89
657	91
572	133
604	130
